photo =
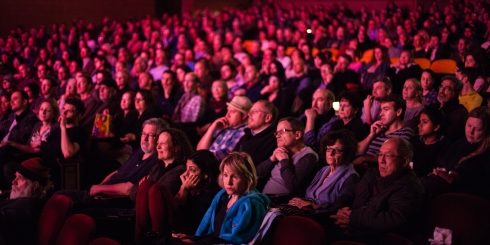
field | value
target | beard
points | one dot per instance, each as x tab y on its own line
21	193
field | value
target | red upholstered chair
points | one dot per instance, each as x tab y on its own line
79	229
52	218
104	241
468	217
298	230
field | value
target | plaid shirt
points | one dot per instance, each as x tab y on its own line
225	141
430	98
189	108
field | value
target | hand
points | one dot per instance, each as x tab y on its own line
368	101
342	217
221	122
300	203
240	92
62	121
280	154
184	238
311	113
448	176
189	181
94	190
128	137
377	127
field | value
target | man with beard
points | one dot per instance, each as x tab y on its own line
19	212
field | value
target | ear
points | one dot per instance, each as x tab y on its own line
399	112
268	118
298	135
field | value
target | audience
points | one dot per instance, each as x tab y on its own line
167	67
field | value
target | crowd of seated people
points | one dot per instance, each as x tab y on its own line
158	114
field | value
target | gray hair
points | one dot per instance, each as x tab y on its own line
159	123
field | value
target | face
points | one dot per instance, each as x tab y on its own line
320	102
446	92
189	84
388	113
166	81
470	61
334	154
144	80
233	183
218	90
17	103
126	101
258	116
225	72
45	113
346	111
409	90
404	58
120	80
388	159
192	169
379	90
139	103
285	136
165	147
82	85
274	83
250	74
148	138
21	187
474	130
4	103
426	81
426	126
234	117
105	93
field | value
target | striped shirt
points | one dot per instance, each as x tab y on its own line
405	133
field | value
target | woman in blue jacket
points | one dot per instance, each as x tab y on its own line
236	212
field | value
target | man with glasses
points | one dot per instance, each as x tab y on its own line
289	169
387	199
123	181
258	140
388	126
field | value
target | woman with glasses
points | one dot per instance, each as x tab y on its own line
333	186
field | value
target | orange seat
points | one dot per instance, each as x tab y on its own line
334	52
394	60
422	62
444	66
290	50
367	56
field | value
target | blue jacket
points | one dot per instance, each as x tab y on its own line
242	220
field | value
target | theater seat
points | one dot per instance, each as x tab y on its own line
468	216
298	230
79	229
104	241
52	218
443	66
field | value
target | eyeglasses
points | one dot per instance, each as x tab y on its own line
151	136
387	156
282	131
335	151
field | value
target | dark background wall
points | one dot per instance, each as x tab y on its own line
41	12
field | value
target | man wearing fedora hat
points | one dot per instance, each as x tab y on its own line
225	132
19	212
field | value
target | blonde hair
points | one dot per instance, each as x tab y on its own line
241	163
